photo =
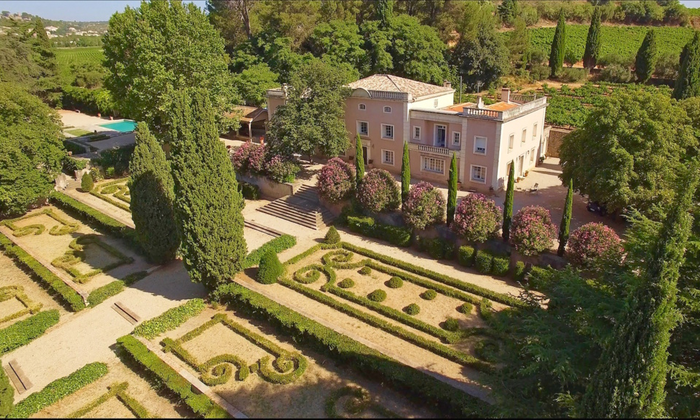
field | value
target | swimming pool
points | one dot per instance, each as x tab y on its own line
125	126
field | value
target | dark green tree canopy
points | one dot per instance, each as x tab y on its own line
161	48
593	41
339	43
253	83
688	81
556	54
648	54
481	58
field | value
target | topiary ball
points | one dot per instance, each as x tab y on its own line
429	294
450	324
346	283
365	271
378	295
412	309
270	268
332	236
394	282
86	182
466	308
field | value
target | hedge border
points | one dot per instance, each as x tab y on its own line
7	394
76	254
199	403
17	292
277	245
23	332
105	292
117	390
38	229
170	319
59	389
42	275
355	355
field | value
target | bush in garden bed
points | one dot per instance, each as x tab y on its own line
59	389
532	230
466	255
270	268
336	180
593	243
450	324
424	207
429	294
412	309
332	236
86	182
277	245
484	262
365	271
501	265
346	283
466	308
367	226
520	272
477	218
170	319
249	191
485	309
486	350
26	330
378	191
394	283
437	248
377	296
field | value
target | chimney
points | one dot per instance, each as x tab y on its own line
505	95
447	84
480	102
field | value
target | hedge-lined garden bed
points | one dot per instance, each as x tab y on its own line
22	332
276	245
170	319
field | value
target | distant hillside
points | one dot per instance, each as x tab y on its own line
61	25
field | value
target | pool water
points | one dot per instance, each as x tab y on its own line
125	126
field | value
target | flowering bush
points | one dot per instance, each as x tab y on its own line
532	230
250	157
336	181
280	170
477	218
378	191
592	242
425	206
256	159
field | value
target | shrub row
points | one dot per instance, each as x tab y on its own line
372	363
22	332
367	226
109	200
437	248
105	292
7	394
170	319
59	389
199	403
93	217
276	245
115	390
43	275
249	191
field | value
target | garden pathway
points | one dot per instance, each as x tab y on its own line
89	336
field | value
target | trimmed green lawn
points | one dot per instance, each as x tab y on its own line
78	132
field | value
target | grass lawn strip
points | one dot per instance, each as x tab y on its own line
76	255
78	132
59	389
64	228
17	292
117	390
22	332
286	368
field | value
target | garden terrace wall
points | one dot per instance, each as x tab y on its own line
268	187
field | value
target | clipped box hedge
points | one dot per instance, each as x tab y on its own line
170	319
7	395
43	275
199	403
277	245
501	265
483	262
367	226
58	389
465	256
416	384
22	332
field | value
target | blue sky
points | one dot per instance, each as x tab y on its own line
91	10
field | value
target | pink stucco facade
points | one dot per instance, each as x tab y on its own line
435	129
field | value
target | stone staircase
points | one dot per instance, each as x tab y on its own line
302	208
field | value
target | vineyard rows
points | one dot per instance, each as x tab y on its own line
67	56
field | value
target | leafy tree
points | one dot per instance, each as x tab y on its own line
688	81
339	43
508	10
571	57
508	205
385	12
405	174
152	194
207	202
556	55
631	376
233	20
32	151
253	83
294	20
452	190
629	152
88	75
481	58
159	49
359	162
647	55
17	64
593	41
313	118
566	219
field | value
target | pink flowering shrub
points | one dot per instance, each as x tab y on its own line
477	218
593	242
532	230
378	191
249	158
240	158
280	170
336	181
425	206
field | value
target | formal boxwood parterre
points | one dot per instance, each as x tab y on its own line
116	390
59	389
17	292
416	384
26	330
43	275
76	254
170	319
63	228
199	403
277	245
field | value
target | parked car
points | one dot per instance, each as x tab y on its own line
595	207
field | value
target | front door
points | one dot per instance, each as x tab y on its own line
440	135
364	154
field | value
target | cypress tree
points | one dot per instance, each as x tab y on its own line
631	375
207	202
152	194
508	205
452	191
556	55
592	53
688	82
385	12
359	162
405	174
566	219
647	56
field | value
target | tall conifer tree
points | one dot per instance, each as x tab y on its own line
152	194
592	52
647	55
452	191
207	202
556	55
566	219
508	205
688	81
405	174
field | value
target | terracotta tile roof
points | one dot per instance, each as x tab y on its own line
390	83
458	107
247	113
502	106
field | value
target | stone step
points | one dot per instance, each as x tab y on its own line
263	229
285	211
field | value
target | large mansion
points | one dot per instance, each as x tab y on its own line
387	111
